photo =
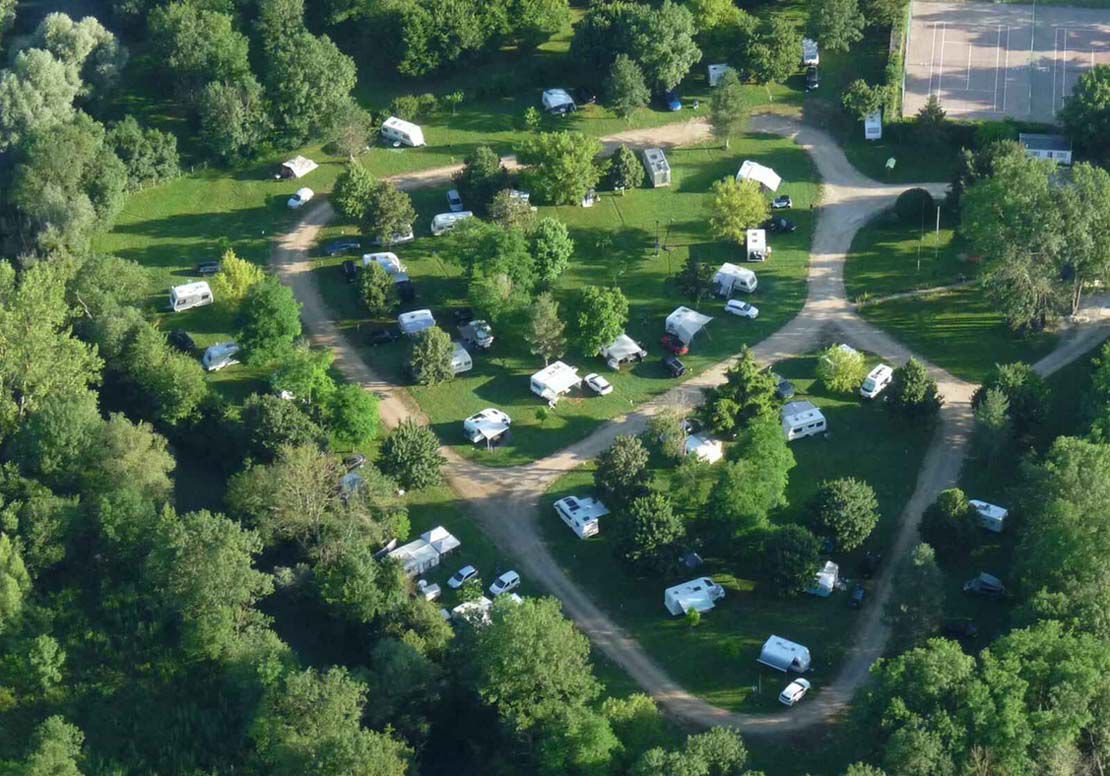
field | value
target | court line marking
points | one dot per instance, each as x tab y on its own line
932	60
1006	74
1064	77
940	73
967	87
1055	55
997	57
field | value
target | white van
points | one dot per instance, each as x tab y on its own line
445	222
876	381
190	295
397	131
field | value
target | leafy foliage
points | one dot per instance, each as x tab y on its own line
389	213
625	88
646	533
481	177
914	609
552	248
736	207
841	369
791	555
354	191
847	510
773	51
748	392
561	165
622	472
1086	111
838	23
545	334
410	454
913	393
234	281
376	289
269	321
625	169
602	316
429	356
728	108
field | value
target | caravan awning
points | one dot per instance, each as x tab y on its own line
298	167
684	323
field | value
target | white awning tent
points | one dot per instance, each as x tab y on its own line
554	380
480	610
684	323
754	171
730	277
420	555
442	540
705	449
297	167
701	595
622	350
873	126
825	580
717	72
487	425
784	655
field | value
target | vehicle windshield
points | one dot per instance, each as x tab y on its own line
868	384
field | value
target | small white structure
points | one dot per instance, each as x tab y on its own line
731	278
399	131
558	101
684	323
991	516
704	448
581	514
873	126
824	582
764	176
297	167
1056	148
555	380
445	222
489	425
657	166
876	381
801	419
460	359
622	350
416	321
717	72
784	655
811	55
216	357
701	595
425	553
757	244
190	295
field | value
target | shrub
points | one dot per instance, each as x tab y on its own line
841	369
410	454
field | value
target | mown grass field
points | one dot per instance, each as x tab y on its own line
716	660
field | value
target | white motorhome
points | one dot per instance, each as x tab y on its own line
685	323
190	295
876	381
784	655
699	595
756	240
216	357
489	425
801	419
716	73
555	380
397	131
764	176
581	514
810	53
415	321
622	350
445	222
460	359
731	278
991	516
824	582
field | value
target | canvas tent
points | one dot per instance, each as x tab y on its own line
873	126
554	380
420	555
701	595
754	171
684	323
716	73
488	425
415	321
297	167
622	350
757	244
783	655
704	448
824	582
730	278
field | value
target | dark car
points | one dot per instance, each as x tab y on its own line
384	336
350	271
985	585
181	340
870	564
960	629
208	268
813	80
584	96
339	247
859	594
777	224
673	344
353	462
673	366
784	389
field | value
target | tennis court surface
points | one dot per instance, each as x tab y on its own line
990	60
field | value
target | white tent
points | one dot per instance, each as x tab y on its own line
755	171
420	555
554	380
825	580
873	126
297	167
716	73
415	321
476	612
441	540
698	594
622	350
488	425
783	655
684	323
708	450
756	240
730	278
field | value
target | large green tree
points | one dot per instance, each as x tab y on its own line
838	24
552	248
646	533
354	190
736	207
411	455
748	488
728	108
913	392
625	88
36	92
773	52
841	369
791	558
914	609
748	391
622	472
1086	111
481	177
376	289
390	212
561	165
602	316
846	510
269	321
546	331
429	356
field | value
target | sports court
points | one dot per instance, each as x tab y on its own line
991	60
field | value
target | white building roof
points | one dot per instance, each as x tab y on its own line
708	450
622	348
415	321
556	378
698	594
755	171
784	655
299	166
553	98
490	423
798	412
684	323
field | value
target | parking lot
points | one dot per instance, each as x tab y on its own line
989	61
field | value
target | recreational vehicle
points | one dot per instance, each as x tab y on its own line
445	222
700	595
397	131
555	380
190	295
801	419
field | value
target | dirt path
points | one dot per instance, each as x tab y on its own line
505	502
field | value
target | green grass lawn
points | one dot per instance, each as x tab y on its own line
887	257
960	331
615	245
716	660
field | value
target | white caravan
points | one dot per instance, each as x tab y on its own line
397	131
190	295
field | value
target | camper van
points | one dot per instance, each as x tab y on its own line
581	514
802	419
991	516
756	240
397	131
876	381
445	222
190	295
784	655
811	56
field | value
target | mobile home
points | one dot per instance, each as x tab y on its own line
801	419
784	655
397	131
657	166
445	222
555	380
190	295
700	595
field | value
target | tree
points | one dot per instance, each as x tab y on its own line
86	47
552	248
1026	392
728	108
916	606
36	93
533	119
838	24
232	117
748	392
430	355
773	52
625	169
846	510
646	533
234	281
861	99
749	488
54	441
930	125
841	369
510	211
170	385
695	279
352	130
792	558
268	423
377	290
666	432
545	334
149	155
531	661
948	525
354	190
637	723
481	177
621	472
561	165
15	582
625	88
269	321
1086	111
717	752
353	415
1085	212
198	46
410	454
359	586
56	750
863	769
576	740
913	392
736	207
130	456
993	427
390	213
602	316
913	205
304	375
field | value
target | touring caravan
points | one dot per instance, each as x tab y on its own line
763	175
190	295
657	166
811	56
824	581
554	380
415	321
991	516
460	359
397	131
699	595
445	222
784	655
801	419
216	357
489	425
731	278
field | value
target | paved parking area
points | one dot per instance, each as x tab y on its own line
991	60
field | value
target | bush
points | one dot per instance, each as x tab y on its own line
646	533
913	393
411	456
430	354
948	525
841	369
411	107
912	204
845	510
791	557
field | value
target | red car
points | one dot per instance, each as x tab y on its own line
673	344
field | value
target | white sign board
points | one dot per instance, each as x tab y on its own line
873	126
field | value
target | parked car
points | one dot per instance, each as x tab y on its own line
673	366
207	268
300	198
782	203
784	389
350	271
355	461
598	384
960	629
671	101
510	580
859	595
396	238
339	247
461	577
778	224
986	585
384	336
743	309
454	201
813	80
180	339
673	344
794	692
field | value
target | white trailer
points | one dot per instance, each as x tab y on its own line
190	295
555	380
731	278
802	419
397	131
699	595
